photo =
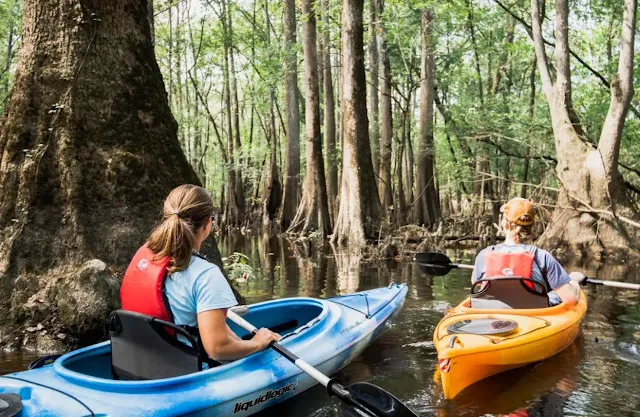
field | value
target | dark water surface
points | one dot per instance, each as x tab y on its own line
599	375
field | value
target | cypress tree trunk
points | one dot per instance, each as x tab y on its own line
332	161
234	210
313	212
291	194
373	91
80	184
386	123
596	216
359	214
272	192
427	209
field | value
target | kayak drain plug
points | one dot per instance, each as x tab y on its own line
10	405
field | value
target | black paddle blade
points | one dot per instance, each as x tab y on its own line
369	400
430	263
10	405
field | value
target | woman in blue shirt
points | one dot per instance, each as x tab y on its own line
197	292
518	217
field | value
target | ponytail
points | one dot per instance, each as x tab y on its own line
523	233
186	210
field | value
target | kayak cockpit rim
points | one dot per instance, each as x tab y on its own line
464	308
63	366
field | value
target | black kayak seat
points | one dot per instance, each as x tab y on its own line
507	293
144	347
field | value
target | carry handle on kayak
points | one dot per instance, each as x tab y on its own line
439	264
359	399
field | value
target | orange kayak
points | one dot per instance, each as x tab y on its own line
530	335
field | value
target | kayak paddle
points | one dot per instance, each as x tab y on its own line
584	280
358	400
439	264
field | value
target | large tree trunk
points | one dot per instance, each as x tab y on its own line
400	208
374	129
532	116
272	191
386	124
595	216
290	198
359	214
332	161
427	210
313	212
472	32
80	184
233	210
408	148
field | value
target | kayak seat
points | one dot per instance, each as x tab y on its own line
144	347
507	293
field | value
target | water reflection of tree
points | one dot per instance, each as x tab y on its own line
312	267
289	269
348	267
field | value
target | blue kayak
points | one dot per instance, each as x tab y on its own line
328	334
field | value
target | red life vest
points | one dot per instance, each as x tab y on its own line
143	285
505	265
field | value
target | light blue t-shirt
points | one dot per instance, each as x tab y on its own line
200	287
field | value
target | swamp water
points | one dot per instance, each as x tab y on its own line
599	375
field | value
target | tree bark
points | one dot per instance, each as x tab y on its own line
272	191
400	209
386	123
409	158
313	211
532	116
359	213
150	16
332	162
229	39
234	210
472	32
589	178
291	194
373	91
427	205
78	177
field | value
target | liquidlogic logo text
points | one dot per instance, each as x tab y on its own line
267	396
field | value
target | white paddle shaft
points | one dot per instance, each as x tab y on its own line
310	370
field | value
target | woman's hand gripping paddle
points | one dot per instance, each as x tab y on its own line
584	280
358	400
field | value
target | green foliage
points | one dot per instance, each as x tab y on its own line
10	11
238	268
504	124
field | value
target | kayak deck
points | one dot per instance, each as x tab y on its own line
327	334
467	358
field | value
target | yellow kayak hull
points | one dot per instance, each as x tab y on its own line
468	358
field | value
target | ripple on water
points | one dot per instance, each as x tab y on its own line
426	344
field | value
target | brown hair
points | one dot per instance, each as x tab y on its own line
186	210
524	233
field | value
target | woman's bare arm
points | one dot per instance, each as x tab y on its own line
219	343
